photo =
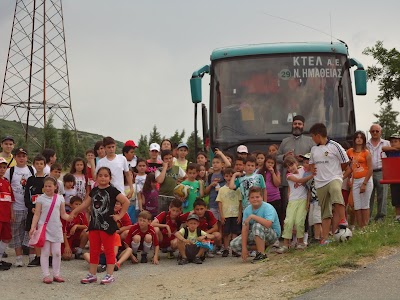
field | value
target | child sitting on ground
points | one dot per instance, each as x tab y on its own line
143	236
124	224
187	238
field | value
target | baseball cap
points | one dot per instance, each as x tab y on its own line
193	217
3	160
155	146
21	150
395	136
130	143
183	145
306	156
242	149
7	138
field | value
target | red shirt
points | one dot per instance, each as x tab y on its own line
135	230
80	219
6	200
165	218
124	221
206	222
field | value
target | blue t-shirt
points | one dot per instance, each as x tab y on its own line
265	211
245	182
392	153
214	190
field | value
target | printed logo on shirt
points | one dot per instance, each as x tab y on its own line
5	197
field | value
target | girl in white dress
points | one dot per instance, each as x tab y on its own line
54	234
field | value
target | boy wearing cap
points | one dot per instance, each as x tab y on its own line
394	151
17	176
181	161
187	237
129	152
6	213
7	145
153	163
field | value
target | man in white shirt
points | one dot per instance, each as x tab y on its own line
374	145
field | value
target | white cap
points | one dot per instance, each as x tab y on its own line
155	146
242	149
3	160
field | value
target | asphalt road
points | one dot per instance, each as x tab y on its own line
380	280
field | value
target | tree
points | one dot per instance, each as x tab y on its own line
51	139
177	137
143	147
387	119
190	142
155	136
68	149
386	71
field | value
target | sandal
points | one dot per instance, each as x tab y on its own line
47	280
58	279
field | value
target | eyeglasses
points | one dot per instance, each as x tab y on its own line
374	131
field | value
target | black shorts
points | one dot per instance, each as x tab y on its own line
395	193
191	252
232	227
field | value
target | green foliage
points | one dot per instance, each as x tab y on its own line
387	119
155	136
143	147
386	71
68	149
177	137
51	138
192	151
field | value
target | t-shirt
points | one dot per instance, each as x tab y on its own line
214	189
138	187
80	219
245	182
102	209
153	166
151	202
358	163
392	153
135	230
169	183
80	186
265	211
298	191
6	200
182	165
165	218
206	222
18	184
194	192
273	193
328	159
11	162
68	194
118	165
60	187
124	221
192	236
33	189
230	200
46	169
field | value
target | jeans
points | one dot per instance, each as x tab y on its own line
381	194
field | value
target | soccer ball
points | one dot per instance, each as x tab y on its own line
343	235
181	190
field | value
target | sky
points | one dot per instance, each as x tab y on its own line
130	62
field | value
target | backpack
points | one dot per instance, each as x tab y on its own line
187	232
12	169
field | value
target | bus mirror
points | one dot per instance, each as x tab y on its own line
195	89
360	78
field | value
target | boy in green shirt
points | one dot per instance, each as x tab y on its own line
196	187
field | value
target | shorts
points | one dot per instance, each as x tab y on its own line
166	241
191	252
231	226
395	193
216	214
18	229
266	234
361	200
314	214
5	231
328	195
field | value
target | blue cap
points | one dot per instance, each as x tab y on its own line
183	145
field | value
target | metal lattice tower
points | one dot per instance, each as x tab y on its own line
36	81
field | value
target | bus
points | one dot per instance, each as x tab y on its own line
256	90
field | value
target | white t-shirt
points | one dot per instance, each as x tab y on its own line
118	166
19	178
297	191
138	186
328	159
46	169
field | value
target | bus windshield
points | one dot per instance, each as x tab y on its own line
256	97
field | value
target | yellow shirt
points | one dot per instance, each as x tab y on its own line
192	236
230	200
183	166
8	159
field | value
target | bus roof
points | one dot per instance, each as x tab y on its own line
278	48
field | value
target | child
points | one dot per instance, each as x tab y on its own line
244	183
153	163
202	178
148	196
143	236
166	224
55	172
7	146
239	164
296	210
260	226
89	168
6	213
139	180
181	160
75	233
230	208
124	224
187	238
78	169
129	152
51	157
54	235
33	189
260	161
196	187
17	177
69	191
202	160
393	151
328	160
273	149
214	182
103	223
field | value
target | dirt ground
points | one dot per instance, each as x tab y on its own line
282	277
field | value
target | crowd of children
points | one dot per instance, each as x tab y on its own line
122	205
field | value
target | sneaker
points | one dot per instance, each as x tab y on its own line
225	253
107	279
35	262
315	241
235	254
47	280
78	255
58	279
324	242
276	244
197	260
117	267
170	255
19	263
89	279
253	253
4	267
220	251
183	261
301	246
210	255
143	258
282	250
343	224
4	263
260	257
101	268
